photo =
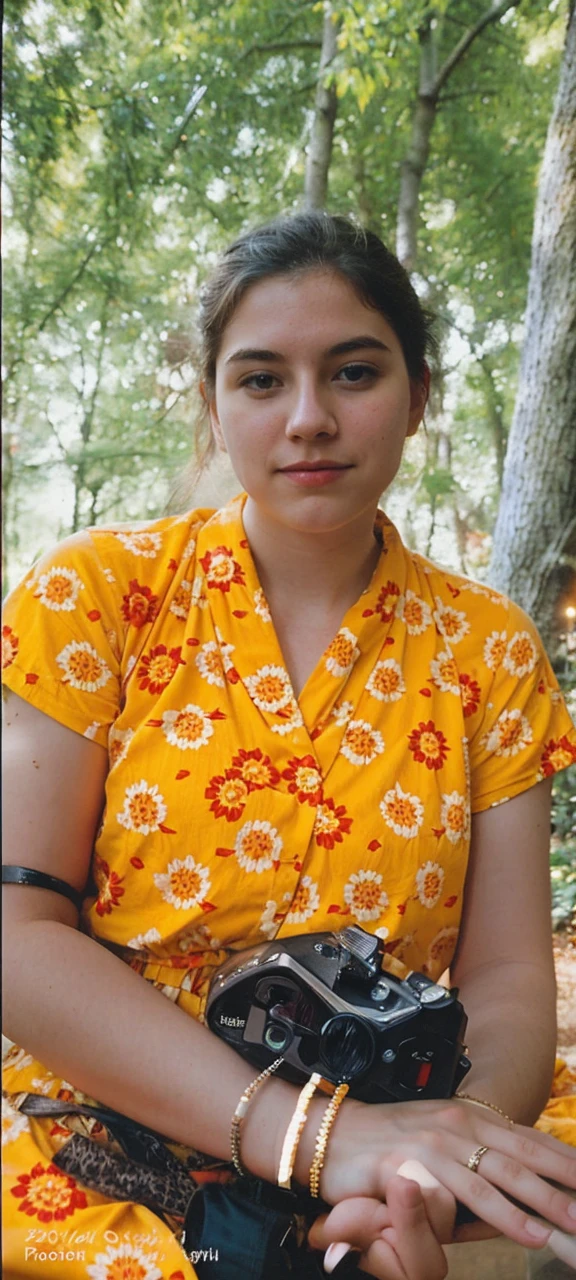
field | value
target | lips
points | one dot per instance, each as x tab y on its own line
317	466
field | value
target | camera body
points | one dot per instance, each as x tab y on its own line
323	1003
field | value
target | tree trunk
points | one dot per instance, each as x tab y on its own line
325	109
537	515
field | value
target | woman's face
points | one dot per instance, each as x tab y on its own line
312	400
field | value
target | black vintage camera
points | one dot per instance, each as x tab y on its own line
323	1003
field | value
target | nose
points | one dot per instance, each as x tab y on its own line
310	415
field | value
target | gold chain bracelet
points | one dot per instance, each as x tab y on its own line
491	1106
296	1126
241	1110
322	1138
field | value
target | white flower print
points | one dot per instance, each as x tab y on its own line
414	613
402	812
342	653
451	623
144	808
118	742
13	1123
288	726
429	882
143	940
509	735
386	682
455	817
305	902
59	588
362	893
83	667
189	549
127	1261
444	673
18	1059
109	576
188	728
198	939
361	743
270	688
209	663
521	654
142	543
261	606
342	712
258	846
382	932
495	648
180	606
92	730
184	884
198	599
226	650
267	924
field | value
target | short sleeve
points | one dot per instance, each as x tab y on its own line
526	733
61	638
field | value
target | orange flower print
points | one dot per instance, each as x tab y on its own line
209	663
361	743
429	881
402	812
557	754
471	694
270	688
48	1194
444	673
386	681
59	589
126	1262
440	952
118	742
139	606
509	735
428	745
261	606
331	824
304	780
291	718
363	895
258	846
521	654
83	667
109	886
387	601
451	623
182	601
158	667
495	649
342	653
228	793
144	809
222	569
10	646
141	542
184	884
255	769
455	817
305	902
414	613
189	728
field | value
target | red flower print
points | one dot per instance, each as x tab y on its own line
256	769
48	1194
10	644
557	754
139	606
387	601
471	694
221	569
109	886
331	824
428	745
157	668
304	780
228	794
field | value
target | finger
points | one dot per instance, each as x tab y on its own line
490	1205
440	1203
534	1193
411	1234
538	1151
357	1220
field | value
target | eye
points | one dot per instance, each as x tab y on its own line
259	381
355	373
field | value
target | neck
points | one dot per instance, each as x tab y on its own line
323	571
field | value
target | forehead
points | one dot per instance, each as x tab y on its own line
312	310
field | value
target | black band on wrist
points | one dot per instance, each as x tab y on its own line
39	880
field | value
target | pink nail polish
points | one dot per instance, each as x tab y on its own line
536	1230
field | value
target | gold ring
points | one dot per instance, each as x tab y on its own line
476	1157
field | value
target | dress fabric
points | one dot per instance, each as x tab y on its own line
236	813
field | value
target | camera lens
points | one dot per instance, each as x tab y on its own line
346	1046
277	1038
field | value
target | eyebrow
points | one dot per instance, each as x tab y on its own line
364	342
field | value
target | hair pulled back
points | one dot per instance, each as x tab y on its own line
292	244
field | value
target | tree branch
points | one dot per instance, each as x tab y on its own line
493	14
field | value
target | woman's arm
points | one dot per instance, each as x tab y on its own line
504	962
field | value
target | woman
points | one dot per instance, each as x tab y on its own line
264	721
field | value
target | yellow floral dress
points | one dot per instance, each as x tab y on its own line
236	813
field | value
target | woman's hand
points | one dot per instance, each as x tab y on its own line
395	1240
369	1144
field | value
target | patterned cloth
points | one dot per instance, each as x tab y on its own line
234	812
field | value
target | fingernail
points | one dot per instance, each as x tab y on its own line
564	1247
572	1209
536	1230
334	1254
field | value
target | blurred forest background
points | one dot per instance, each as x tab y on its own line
142	135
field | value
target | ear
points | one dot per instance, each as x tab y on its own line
419	392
